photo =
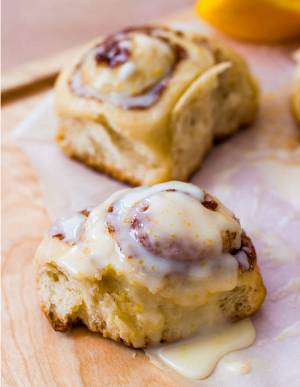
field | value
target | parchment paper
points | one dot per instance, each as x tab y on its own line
256	173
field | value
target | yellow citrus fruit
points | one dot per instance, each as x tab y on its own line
267	21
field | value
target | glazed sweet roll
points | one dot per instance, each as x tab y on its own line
149	265
145	104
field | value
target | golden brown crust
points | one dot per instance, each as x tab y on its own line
257	288
101	167
108	303
110	170
124	129
216	141
294	110
65	326
57	324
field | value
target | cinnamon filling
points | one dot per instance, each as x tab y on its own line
247	247
209	202
85	212
112	53
177	249
142	225
58	236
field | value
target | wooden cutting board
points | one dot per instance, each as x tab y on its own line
32	353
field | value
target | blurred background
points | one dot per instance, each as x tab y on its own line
35	29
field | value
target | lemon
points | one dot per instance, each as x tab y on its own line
267	21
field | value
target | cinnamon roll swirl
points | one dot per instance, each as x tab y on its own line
149	265
145	104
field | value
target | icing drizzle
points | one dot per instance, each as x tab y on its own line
114	51
148	233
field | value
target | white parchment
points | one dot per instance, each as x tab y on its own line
256	173
67	184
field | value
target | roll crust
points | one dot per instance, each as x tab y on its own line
140	285
146	104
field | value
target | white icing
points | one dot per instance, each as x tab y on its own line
102	79
126	70
242	259
112	84
70	226
174	216
291	331
196	358
278	250
292	287
238	367
86	259
121	99
126	44
284	178
196	226
133	196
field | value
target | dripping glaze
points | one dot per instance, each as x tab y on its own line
207	229
196	358
133	233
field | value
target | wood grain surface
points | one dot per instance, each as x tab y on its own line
33	76
32	353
